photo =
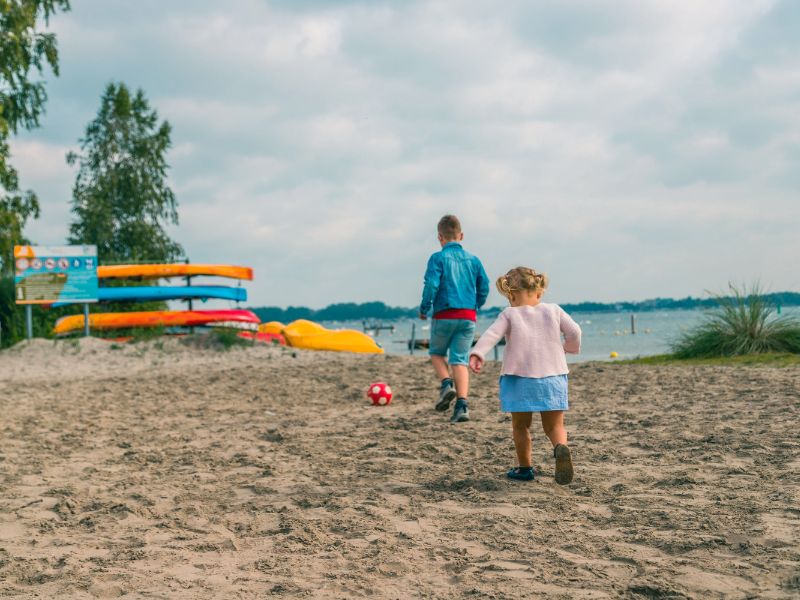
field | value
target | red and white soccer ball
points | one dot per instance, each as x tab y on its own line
379	393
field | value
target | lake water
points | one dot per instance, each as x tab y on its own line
603	333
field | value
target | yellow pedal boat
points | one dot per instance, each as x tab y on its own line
273	327
313	336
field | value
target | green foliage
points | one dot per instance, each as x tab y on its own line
218	338
688	303
12	320
24	51
368	310
141	334
12	317
744	323
121	200
228	338
347	311
16	208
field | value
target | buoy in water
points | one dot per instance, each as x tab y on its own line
613	355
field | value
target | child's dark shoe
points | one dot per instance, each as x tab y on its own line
460	412
564	472
447	394
521	474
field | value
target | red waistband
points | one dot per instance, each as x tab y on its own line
457	313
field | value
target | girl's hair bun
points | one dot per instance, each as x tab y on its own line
521	278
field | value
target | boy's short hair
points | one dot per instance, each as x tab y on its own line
449	227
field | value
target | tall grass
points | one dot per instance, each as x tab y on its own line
744	323
219	338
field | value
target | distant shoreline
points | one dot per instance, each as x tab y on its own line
377	311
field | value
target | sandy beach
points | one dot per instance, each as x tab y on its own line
156	470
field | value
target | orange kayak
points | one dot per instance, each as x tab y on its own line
174	270
158	318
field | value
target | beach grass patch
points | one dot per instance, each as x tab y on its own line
228	338
745	323
145	334
221	339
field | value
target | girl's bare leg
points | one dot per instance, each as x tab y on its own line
521	431
553	425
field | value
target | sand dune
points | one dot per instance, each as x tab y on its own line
160	471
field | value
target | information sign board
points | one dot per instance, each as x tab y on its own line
49	274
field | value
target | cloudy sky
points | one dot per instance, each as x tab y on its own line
631	149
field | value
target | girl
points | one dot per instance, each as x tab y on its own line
534	374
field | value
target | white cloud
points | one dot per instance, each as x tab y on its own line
46	161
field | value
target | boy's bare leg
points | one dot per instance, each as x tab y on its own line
446	392
440	366
553	425
521	431
461	377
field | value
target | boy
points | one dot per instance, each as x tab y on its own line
456	286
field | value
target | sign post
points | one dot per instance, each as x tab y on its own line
50	274
85	319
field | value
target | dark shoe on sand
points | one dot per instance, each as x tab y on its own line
521	474
446	396
460	412
564	472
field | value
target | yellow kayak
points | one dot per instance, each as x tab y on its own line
174	270
273	327
313	336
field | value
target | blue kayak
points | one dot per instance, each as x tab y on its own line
150	293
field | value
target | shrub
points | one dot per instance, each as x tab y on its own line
226	339
143	334
218	338
744	323
12	316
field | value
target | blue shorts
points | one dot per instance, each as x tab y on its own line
453	335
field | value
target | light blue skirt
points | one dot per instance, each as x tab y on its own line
533	394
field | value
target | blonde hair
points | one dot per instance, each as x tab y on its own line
449	227
521	278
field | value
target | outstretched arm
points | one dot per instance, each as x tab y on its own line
488	341
571	331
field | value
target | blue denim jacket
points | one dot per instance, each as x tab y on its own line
454	279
